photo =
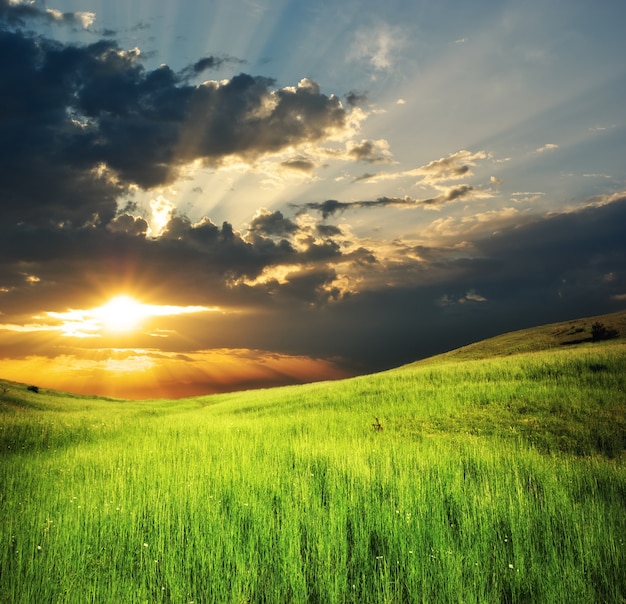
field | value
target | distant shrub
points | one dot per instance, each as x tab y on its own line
33	388
599	332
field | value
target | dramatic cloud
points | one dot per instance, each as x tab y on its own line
331	207
208	63
18	13
373	152
485	279
272	223
129	225
274	226
354	98
91	122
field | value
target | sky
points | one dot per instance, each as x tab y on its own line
202	196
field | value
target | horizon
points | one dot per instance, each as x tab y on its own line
206	198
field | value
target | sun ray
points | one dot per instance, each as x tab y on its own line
120	315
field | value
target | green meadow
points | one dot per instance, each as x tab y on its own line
499	475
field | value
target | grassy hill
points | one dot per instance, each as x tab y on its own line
499	475
535	339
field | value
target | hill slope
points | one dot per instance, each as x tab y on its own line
545	337
549	386
535	339
494	479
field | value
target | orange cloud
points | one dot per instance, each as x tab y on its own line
145	373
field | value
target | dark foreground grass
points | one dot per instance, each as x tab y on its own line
498	480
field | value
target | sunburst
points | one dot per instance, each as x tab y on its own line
122	314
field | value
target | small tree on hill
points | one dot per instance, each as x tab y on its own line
599	332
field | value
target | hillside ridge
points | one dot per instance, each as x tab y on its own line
535	339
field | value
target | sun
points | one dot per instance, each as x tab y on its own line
121	314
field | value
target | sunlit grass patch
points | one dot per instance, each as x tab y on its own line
500	480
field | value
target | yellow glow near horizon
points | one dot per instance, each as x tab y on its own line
139	373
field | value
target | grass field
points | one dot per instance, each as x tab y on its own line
499	476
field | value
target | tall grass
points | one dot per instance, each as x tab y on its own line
493	481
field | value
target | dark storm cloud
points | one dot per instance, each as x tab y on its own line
208	63
328	230
189	261
221	251
554	268
568	255
128	224
419	303
367	151
80	124
162	127
42	177
330	207
19	14
354	98
272	223
312	285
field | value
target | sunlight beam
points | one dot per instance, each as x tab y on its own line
122	314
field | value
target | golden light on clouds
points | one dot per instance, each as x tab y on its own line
161	210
